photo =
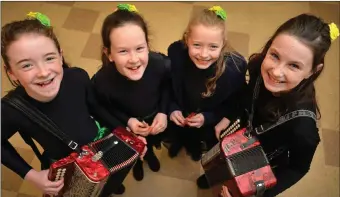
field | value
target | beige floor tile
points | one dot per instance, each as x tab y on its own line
81	19
25	195
11	11
64	3
7	193
101	7
72	43
56	12
180	167
155	185
9	180
29	189
331	144
239	42
93	47
100	20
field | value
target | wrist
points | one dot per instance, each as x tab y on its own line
30	176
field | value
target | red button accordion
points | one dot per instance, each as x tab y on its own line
85	174
238	162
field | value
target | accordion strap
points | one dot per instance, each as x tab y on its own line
39	118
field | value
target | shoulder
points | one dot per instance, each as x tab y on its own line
160	61
176	48
235	62
76	73
305	130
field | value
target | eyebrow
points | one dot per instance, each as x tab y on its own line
139	45
26	60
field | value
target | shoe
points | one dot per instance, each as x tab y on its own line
158	145
196	156
119	190
152	160
202	182
138	171
174	149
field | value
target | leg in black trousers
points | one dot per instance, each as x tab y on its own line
178	136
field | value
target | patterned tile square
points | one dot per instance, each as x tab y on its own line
7	193
65	3
81	19
93	47
331	146
239	42
10	180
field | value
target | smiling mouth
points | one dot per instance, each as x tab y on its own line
275	80
134	68
45	83
200	60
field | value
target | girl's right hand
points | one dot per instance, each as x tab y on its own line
140	128
40	180
178	118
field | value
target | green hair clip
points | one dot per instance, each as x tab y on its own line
40	17
219	12
127	7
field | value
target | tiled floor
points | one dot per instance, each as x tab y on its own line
77	25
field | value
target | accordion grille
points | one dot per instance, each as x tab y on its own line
247	160
118	157
81	186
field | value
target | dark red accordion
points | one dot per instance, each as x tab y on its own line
238	162
85	174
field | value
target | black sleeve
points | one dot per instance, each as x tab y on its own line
301	152
97	110
9	156
166	87
232	107
104	101
174	54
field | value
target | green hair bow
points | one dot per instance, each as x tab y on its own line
127	7
219	12
40	17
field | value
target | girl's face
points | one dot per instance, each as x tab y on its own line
36	63
129	51
287	62
205	45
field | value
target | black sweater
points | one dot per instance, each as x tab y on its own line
293	143
70	110
125	98
188	83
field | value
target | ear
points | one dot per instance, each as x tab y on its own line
11	75
318	68
106	52
61	55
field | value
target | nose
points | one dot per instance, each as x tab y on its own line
204	53
43	72
278	71
133	58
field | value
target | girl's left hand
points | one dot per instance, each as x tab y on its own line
159	124
225	192
145	148
196	121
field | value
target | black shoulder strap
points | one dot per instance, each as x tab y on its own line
41	119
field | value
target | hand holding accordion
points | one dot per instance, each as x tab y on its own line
86	173
238	162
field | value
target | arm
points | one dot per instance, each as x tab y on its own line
166	85
9	156
301	152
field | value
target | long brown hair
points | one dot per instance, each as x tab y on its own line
315	34
208	18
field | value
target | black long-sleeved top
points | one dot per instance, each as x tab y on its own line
71	111
125	98
291	146
188	83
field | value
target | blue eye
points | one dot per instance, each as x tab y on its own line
274	55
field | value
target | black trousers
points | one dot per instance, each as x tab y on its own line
191	137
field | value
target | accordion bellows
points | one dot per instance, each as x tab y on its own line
85	174
239	163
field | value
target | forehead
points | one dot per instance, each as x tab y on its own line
204	33
31	46
292	49
127	35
